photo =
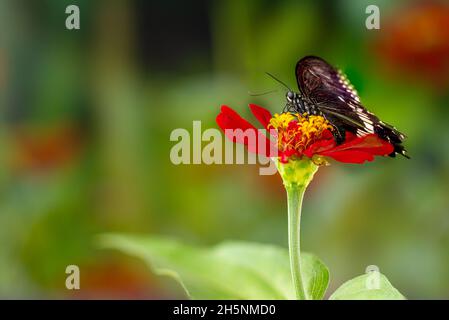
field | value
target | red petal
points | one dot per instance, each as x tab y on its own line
322	145
263	115
229	121
354	150
327	134
352	156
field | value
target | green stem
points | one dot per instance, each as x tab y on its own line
296	176
295	194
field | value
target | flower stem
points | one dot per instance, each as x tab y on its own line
296	176
295	195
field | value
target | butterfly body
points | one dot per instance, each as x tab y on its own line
296	103
326	91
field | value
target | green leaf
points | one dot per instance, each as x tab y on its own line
231	270
370	286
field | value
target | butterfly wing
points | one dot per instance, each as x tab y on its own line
331	92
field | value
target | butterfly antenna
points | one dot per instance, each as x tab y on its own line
270	75
261	93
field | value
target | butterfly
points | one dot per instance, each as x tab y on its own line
326	91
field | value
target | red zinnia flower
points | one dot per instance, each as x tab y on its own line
301	144
300	136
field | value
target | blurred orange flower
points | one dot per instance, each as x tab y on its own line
416	41
43	149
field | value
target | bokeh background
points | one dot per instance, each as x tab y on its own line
86	118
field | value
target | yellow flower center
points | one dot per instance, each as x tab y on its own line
296	132
281	121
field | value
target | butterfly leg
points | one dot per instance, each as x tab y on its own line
289	108
339	135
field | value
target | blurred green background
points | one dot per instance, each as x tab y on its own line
86	118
